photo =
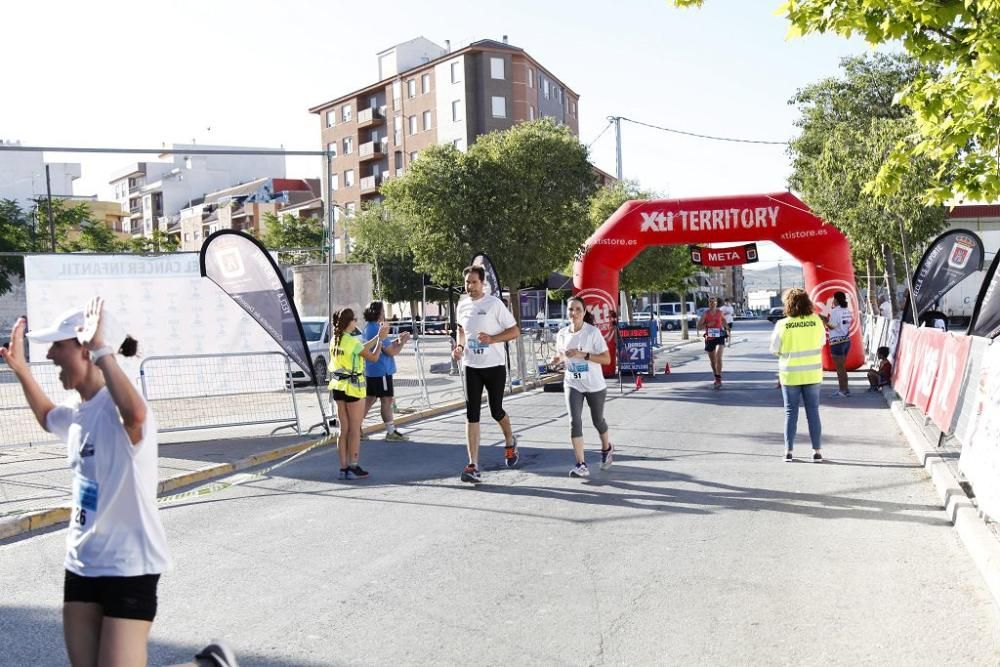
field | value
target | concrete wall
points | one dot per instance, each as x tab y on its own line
352	287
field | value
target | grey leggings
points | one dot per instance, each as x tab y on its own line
574	404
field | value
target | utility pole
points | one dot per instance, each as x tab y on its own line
48	196
780	284
617	120
329	247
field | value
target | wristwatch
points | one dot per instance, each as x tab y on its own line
587	356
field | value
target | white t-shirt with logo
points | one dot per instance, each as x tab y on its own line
489	315
115	528
727	312
581	374
840	324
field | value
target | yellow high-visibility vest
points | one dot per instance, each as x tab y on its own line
798	342
347	370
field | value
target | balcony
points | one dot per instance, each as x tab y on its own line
369	117
370	150
368	185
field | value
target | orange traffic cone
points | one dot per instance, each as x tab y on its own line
638	382
666	368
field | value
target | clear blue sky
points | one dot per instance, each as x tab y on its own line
119	73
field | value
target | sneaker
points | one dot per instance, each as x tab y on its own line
471	475
511	455
216	654
607	456
358	471
396	436
788	456
346	473
579	470
840	394
817	457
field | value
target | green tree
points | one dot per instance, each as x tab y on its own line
849	125
956	112
383	241
290	231
519	195
16	235
158	242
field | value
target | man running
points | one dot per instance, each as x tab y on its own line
484	324
713	322
728	312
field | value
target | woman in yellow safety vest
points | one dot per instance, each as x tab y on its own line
798	341
347	386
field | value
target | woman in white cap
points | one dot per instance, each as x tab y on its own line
116	545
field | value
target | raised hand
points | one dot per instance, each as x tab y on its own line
91	335
13	354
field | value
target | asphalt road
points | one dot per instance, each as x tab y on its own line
699	547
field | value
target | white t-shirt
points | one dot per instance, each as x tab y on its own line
581	374
885	310
727	312
115	528
840	324
487	315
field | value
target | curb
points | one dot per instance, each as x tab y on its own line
978	539
39	519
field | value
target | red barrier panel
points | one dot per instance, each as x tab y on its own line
928	360
950	376
905	356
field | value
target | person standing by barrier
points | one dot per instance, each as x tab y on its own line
839	324
797	341
378	373
584	350
713	322
347	386
116	547
484	323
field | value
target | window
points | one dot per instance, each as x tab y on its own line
531	113
345	113
349	178
427	120
457	144
545	88
499	105
572	109
456	110
397	130
531	78
331	148
348	145
456	72
412	121
413	156
397	93
331	117
398	160
496	68
334	182
425	84
349	208
411	88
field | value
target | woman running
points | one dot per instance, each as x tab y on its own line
713	321
347	384
116	545
839	324
583	348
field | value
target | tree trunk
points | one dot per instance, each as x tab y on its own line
515	305
889	262
685	332
870	285
628	306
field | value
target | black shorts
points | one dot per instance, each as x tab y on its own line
379	386
493	379
712	343
119	597
338	395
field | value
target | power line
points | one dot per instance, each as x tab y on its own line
601	134
704	136
158	151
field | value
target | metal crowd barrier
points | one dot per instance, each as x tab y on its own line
18	427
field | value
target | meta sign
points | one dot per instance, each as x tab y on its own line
733	256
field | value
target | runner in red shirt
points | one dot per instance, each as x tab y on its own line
713	322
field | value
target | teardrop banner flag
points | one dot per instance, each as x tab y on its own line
243	268
491	284
950	258
731	256
986	315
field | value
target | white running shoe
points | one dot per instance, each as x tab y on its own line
579	470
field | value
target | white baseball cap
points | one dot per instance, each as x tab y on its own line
65	327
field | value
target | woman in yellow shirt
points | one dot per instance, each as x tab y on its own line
347	386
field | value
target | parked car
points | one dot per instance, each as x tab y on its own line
775	314
318	341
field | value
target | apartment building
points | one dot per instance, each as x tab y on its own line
153	193
23	178
428	95
243	207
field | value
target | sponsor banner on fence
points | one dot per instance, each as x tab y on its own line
930	368
906	345
980	460
952	363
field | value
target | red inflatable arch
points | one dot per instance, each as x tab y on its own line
781	217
